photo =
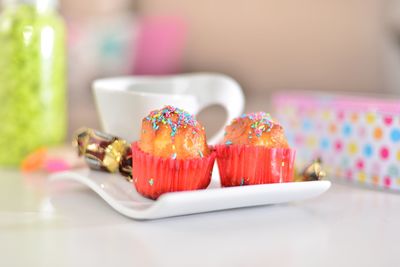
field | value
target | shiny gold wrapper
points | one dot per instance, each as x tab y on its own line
312	172
104	152
125	166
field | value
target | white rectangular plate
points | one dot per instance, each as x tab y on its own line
122	196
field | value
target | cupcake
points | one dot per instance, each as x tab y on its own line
254	151
172	154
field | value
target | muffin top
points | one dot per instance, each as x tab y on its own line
257	129
173	133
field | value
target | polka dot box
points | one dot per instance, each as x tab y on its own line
358	138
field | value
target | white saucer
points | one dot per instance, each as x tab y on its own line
122	196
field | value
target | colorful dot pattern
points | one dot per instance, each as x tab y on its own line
359	146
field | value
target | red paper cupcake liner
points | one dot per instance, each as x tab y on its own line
153	176
246	165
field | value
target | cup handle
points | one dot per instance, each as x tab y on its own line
221	90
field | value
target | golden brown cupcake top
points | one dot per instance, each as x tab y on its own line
171	132
255	129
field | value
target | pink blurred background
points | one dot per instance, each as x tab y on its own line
267	45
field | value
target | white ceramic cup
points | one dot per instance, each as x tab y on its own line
123	102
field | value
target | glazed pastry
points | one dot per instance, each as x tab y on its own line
173	133
172	154
257	129
254	151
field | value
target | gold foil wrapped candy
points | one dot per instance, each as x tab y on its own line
125	166
312	172
104	152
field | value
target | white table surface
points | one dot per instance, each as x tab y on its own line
42	225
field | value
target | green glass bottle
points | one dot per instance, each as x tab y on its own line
32	78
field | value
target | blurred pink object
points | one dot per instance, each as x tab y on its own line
159	46
56	165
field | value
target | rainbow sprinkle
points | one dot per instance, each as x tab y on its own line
262	122
165	116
